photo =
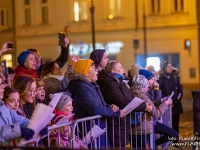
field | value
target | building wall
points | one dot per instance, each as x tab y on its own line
166	32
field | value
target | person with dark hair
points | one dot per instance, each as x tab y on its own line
100	58
11	98
168	84
55	81
61	60
27	65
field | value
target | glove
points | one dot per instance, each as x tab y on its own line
27	133
44	131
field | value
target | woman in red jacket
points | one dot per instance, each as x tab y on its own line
27	65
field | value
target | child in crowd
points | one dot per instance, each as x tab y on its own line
64	108
11	98
40	96
12	125
26	86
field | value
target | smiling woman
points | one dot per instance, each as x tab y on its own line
27	65
26	86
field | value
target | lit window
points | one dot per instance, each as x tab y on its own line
155	6
115	9
155	62
3	17
80	10
178	5
8	58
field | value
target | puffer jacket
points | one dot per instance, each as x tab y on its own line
155	113
88	101
10	123
117	92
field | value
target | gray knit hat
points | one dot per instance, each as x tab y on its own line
140	82
134	70
64	99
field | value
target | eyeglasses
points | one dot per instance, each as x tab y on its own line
95	69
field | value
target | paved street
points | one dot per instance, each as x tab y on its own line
186	121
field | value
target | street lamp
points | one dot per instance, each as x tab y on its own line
144	33
92	23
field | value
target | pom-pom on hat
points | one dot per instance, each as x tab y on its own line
82	66
146	73
97	56
140	82
64	99
22	57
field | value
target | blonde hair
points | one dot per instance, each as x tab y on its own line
111	66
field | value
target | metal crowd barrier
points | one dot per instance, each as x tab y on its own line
167	120
113	127
56	127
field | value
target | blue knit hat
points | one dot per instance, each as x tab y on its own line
22	57
97	56
146	73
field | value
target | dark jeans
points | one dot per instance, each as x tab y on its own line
175	124
167	132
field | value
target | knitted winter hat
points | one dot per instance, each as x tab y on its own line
82	66
97	56
140	82
22	57
146	73
64	99
134	70
39	83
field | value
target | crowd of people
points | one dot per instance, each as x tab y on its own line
94	86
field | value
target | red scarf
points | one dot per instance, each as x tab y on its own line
61	113
19	70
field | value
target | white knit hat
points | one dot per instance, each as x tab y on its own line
64	99
140	82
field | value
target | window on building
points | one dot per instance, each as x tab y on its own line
155	62
26	2
27	12
80	10
178	5
115	9
45	12
27	16
155	6
8	58
3	17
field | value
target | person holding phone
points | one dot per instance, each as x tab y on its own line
6	46
61	60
